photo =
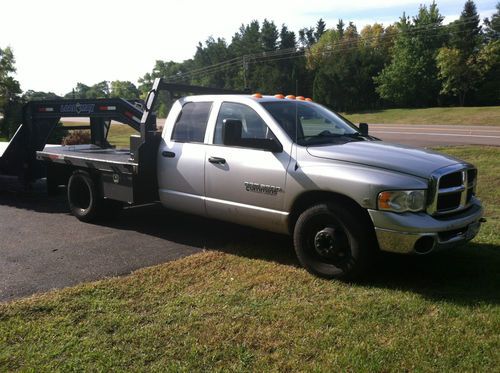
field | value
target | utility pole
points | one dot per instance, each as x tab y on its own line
245	70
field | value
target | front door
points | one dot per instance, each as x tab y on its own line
245	185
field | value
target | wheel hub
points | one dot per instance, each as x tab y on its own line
324	242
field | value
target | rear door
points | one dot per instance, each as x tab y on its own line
245	185
181	164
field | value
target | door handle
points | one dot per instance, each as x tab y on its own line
217	160
168	154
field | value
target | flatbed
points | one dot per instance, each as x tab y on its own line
82	155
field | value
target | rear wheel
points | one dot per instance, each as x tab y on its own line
84	201
332	241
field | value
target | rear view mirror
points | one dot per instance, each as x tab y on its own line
363	128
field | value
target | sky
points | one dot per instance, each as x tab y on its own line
58	43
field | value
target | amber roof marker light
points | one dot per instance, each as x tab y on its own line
291	97
257	95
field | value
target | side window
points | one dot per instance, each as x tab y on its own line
253	125
192	122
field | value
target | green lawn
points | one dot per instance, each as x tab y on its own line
251	308
473	116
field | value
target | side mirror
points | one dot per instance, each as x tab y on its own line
232	136
231	132
363	128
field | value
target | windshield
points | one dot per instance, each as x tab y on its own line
308	123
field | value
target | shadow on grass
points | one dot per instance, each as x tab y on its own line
466	275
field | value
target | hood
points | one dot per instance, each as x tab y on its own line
405	159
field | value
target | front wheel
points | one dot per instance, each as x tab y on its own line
333	241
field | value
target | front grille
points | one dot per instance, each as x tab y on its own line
448	201
452	189
451	180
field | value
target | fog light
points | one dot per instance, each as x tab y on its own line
424	245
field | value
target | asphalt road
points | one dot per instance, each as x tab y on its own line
436	135
43	247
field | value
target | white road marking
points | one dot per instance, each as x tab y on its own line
436	134
376	128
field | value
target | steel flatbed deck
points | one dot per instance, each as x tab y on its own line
90	156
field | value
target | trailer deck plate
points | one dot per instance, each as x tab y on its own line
90	156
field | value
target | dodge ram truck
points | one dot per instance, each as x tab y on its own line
282	164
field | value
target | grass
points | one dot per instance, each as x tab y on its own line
251	308
471	116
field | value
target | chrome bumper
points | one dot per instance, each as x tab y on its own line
421	233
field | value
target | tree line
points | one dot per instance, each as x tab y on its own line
415	62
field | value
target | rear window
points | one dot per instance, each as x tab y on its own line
192	122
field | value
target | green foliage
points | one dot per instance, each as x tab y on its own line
124	89
99	90
411	77
10	102
492	26
31	95
345	63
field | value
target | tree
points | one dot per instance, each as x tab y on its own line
462	65
466	32
488	92
320	29
10	103
492	26
345	62
269	36
31	95
340	27
306	37
124	89
410	79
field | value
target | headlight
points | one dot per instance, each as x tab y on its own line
402	200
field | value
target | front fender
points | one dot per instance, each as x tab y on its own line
360	183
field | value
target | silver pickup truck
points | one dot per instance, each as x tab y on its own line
292	166
282	164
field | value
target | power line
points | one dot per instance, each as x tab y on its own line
290	53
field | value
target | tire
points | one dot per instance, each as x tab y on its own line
334	241
84	201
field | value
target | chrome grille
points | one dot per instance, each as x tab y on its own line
451	189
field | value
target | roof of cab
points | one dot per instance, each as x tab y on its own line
264	98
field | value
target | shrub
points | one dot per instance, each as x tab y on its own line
77	137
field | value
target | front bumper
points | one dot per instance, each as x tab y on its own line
421	233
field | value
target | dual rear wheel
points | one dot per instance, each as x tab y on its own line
86	201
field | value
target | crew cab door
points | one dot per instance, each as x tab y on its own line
181	159
245	185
